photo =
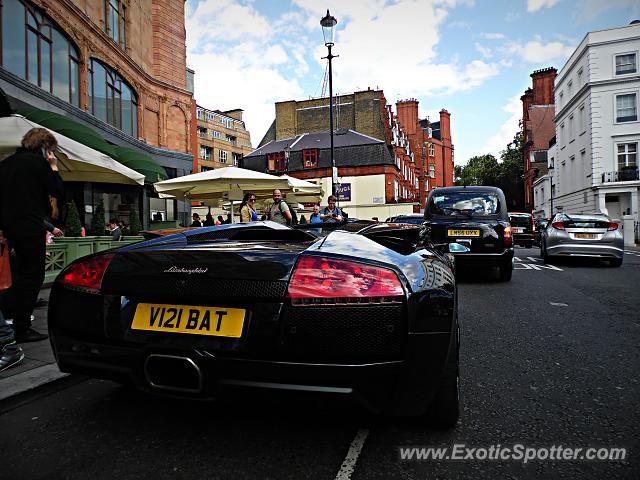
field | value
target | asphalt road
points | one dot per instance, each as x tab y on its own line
550	358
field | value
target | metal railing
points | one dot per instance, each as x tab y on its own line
624	175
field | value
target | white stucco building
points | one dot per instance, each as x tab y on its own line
595	167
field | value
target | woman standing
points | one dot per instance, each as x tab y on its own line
247	208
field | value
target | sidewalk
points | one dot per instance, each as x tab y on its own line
38	367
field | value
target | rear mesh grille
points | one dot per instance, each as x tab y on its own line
201	289
351	333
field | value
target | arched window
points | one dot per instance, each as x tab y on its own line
111	99
36	49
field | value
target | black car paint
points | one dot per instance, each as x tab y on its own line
90	332
487	250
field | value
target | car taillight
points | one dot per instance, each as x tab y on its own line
558	225
533	224
325	280
508	236
86	273
612	226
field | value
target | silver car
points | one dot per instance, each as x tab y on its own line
582	235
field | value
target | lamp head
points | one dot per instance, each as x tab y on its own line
328	23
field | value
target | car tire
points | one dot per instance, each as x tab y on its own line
505	272
444	409
616	262
528	245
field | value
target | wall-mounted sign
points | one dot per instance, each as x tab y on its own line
378	200
344	192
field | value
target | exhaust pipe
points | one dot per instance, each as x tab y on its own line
173	373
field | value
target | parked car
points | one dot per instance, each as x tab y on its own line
475	216
415	218
522	228
540	224
583	235
265	306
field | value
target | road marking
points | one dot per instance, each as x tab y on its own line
520	265
349	463
534	259
556	304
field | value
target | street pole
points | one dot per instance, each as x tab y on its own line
334	170
328	24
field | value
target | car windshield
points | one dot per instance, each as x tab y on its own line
520	220
414	220
583	222
464	203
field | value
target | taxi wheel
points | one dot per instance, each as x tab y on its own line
444	409
616	262
505	273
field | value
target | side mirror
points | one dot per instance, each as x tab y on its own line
458	248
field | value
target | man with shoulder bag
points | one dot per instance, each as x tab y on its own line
10	352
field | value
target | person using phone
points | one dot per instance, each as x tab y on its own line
27	179
331	213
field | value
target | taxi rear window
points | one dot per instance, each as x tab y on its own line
465	204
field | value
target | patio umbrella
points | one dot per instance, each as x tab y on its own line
76	162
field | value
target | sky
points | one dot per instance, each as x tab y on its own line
473	58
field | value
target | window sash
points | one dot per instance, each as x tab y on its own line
626	108
626	64
310	158
276	162
627	155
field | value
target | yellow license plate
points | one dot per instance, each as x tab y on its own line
215	321
585	235
463	233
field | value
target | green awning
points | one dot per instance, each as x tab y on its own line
129	157
141	163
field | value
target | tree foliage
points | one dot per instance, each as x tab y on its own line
134	223
98	221
507	174
73	227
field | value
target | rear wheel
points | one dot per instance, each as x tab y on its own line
505	272
528	245
444	409
616	262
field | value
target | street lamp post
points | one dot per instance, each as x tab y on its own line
550	169
328	24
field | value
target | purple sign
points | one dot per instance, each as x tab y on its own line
344	192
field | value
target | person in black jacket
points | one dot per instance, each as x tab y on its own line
27	178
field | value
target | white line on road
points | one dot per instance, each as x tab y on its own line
557	304
349	463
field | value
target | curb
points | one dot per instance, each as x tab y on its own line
34	378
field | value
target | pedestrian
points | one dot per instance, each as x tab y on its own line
228	220
315	216
27	178
196	220
10	352
331	213
247	208
114	228
279	211
220	220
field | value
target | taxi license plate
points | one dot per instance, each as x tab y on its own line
214	321
585	235
517	230
463	233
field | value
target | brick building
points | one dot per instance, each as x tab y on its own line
222	139
538	125
382	157
117	67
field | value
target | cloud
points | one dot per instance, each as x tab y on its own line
493	36
535	5
535	51
498	142
484	51
588	10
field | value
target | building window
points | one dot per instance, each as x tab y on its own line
202	132
236	159
627	155
216	134
560	99
111	99
205	152
626	108
569	89
222	156
571	129
582	124
35	49
276	162
206	169
626	64
231	139
432	171
432	150
114	21
310	158
580	79
200	114
561	137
